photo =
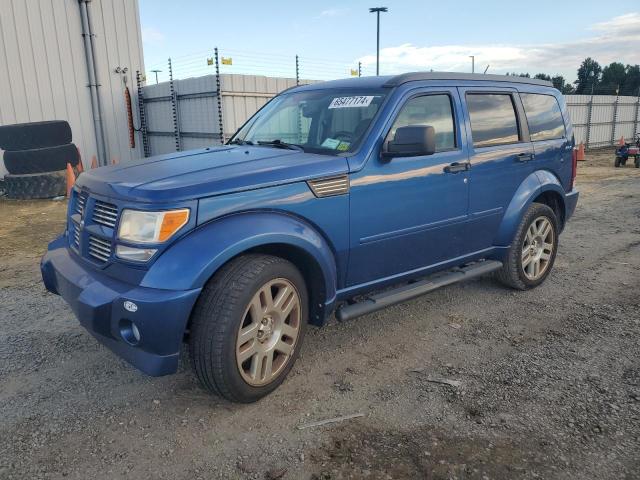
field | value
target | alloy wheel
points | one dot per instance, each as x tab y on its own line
267	336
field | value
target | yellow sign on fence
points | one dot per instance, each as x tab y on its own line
227	61
354	73
210	61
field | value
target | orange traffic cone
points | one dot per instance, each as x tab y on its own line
621	142
581	152
80	167
71	179
94	162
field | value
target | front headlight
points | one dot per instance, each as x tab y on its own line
151	227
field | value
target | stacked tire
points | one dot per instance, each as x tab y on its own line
36	156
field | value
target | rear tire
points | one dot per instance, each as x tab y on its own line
617	162
241	345
636	162
535	243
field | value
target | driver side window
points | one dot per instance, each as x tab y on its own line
433	110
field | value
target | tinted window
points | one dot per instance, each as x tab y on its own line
433	110
543	116
493	119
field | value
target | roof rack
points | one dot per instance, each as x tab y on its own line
415	76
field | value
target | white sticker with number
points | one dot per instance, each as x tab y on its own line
351	102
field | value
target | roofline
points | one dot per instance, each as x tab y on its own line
416	76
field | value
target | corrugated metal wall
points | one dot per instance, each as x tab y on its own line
601	120
242	95
43	73
197	108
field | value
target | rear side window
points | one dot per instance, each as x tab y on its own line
543	116
432	110
493	119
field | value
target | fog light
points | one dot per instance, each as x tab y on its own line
129	332
135	331
135	254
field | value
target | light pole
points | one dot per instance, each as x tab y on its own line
473	63
377	11
156	72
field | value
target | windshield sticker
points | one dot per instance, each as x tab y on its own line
330	143
343	146
351	102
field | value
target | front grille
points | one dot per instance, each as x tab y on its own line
76	235
99	248
81	201
105	213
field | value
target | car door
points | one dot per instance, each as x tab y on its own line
501	157
408	213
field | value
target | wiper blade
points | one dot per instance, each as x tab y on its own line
239	141
280	144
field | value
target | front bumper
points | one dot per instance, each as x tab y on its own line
98	301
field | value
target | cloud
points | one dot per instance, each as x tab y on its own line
628	22
333	12
612	43
150	35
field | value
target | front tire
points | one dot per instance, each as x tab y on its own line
530	258
247	327
617	162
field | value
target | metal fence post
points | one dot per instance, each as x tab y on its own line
297	71
219	96
174	108
359	69
146	151
635	118
589	121
615	121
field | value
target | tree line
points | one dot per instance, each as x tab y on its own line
613	79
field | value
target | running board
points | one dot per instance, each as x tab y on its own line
413	290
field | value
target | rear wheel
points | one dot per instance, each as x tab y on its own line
617	162
532	253
636	162
248	326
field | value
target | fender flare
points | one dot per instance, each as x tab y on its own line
534	185
192	260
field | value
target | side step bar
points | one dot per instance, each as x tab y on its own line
413	290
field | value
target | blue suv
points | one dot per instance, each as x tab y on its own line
343	196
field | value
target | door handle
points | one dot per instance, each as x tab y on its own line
524	157
456	167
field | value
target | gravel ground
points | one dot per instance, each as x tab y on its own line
549	379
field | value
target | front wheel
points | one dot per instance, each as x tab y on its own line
636	162
247	327
530	258
617	162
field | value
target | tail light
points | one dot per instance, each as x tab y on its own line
574	167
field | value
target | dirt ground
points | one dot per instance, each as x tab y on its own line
550	378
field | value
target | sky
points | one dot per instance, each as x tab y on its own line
331	37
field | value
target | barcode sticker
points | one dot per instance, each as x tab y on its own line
351	102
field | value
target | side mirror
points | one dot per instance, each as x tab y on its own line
411	141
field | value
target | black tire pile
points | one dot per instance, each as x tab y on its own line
36	156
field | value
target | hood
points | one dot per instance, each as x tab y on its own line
206	172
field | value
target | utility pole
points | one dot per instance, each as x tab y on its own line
377	11
473	63
156	72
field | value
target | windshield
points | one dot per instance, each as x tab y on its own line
319	121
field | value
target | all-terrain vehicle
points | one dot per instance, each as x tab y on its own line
623	152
